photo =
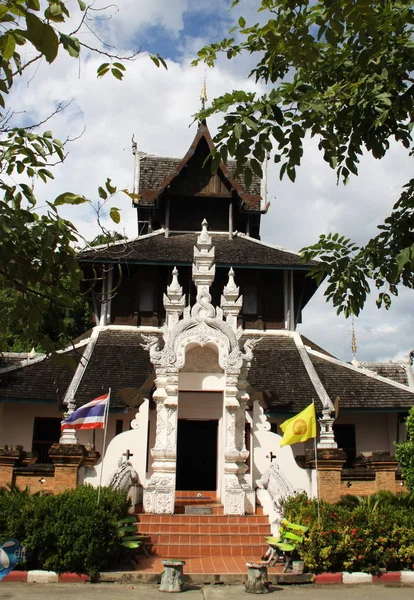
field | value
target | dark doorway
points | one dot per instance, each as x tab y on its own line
196	455
345	438
46	431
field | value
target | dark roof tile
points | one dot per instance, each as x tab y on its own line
118	362
154	170
179	248
358	390
390	370
44	381
278	371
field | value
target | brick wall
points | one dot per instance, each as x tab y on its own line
18	468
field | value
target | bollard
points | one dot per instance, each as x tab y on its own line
172	576
257	582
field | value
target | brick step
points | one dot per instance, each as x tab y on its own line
216	509
181	528
196	494
205	539
193	550
146	518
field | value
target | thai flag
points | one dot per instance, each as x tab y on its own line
88	416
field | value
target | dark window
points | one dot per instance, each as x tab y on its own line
250	299
345	438
274	428
247	431
147	296
46	431
119	425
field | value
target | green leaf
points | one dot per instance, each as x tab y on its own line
69	198
71	45
42	36
238	130
256	167
117	74
102	69
247	177
7	46
115	214
131	545
111	189
155	60
242	22
82	5
102	193
4	9
33	4
404	257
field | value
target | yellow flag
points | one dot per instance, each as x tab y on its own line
299	428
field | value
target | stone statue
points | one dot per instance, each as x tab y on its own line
125	477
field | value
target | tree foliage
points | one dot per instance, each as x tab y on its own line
405	452
37	255
340	71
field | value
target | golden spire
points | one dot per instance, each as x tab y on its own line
203	95
354	344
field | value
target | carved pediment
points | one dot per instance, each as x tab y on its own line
201	359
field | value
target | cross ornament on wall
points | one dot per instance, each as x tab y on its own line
128	454
271	456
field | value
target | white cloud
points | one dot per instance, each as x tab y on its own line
156	105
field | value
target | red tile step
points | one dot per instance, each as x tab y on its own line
190	535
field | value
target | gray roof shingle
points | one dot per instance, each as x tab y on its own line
118	362
178	248
154	170
358	391
43	381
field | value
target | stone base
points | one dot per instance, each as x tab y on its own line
159	501
239	501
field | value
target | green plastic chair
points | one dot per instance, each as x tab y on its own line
290	536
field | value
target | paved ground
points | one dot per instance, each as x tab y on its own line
112	591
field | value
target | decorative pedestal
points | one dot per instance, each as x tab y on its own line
67	459
172	576
8	459
330	464
385	467
257	582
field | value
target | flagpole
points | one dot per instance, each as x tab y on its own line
104	443
316	467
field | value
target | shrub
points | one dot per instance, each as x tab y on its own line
66	532
361	534
404	452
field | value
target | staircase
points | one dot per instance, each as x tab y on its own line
184	535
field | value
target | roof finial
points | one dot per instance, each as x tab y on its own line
203	95
354	361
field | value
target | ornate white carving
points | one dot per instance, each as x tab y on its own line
230	302
201	360
234	502
200	325
164	502
326	436
174	300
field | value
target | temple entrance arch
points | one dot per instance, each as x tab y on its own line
202	351
201	383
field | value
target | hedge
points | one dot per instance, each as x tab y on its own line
368	535
66	532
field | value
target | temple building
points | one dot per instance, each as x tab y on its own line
196	337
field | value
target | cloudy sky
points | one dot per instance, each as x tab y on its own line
157	107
